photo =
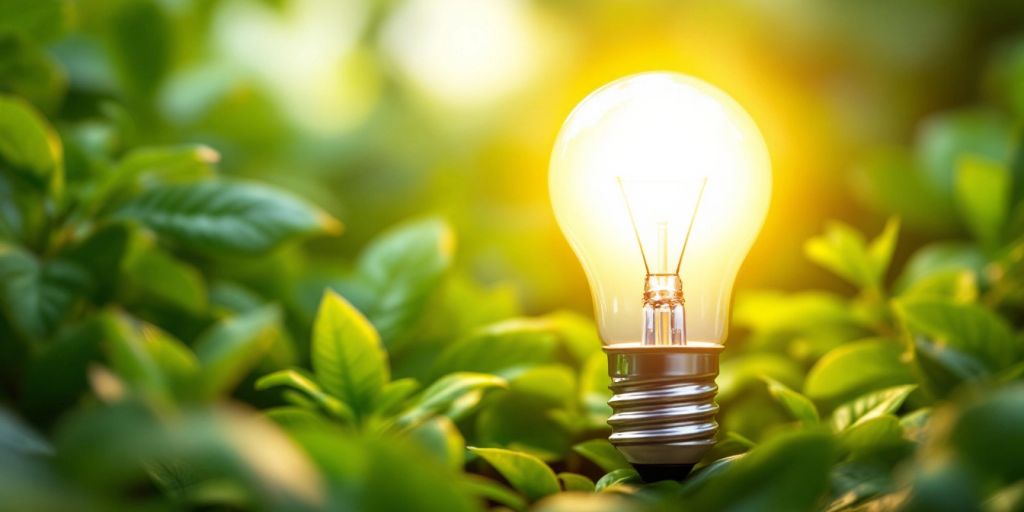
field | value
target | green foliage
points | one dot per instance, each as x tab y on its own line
177	337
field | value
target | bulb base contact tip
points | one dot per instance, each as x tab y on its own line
663	406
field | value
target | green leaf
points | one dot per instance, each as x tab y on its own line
394	394
348	359
939	258
947	137
789	472
572	482
226	216
296	380
36	296
870	406
442	439
983	196
798	405
505	349
29	146
229	349
878	438
154	276
490	490
956	342
536	415
28	71
602	453
960	286
845	252
856	368
526	473
42	20
149	167
448	390
140	45
988	435
126	343
397	274
621	476
891	182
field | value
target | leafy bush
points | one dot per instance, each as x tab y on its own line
166	341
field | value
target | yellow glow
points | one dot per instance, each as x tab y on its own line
663	135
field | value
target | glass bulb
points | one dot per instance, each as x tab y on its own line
660	182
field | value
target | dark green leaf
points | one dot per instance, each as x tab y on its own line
140	44
789	472
229	349
988	435
493	491
28	71
17	437
226	216
37	296
879	437
348	359
152	275
946	138
526	473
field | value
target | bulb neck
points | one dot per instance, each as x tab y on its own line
664	310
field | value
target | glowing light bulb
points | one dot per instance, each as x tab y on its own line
661	182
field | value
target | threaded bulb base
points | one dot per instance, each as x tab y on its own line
663	406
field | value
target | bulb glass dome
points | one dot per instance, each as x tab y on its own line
660	176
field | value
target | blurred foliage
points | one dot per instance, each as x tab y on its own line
182	328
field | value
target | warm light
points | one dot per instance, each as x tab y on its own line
660	174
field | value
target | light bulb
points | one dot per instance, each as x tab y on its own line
660	183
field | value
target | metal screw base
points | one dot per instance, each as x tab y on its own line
663	404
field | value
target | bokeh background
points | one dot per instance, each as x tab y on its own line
382	110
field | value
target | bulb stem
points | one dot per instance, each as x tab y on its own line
664	310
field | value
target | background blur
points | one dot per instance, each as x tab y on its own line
381	110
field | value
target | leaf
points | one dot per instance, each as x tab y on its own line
229	349
939	258
983	195
296	380
798	405
856	368
988	435
37	296
960	286
844	251
870	406
617	477
149	167
448	390
947	137
442	439
347	356
505	349
602	453
891	182
394	394
140	45
572	482
536	415
42	20
226	216
28	71
788	472
493	491
879	438
948	337
152	275
526	473
397	274
130	358
29	146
